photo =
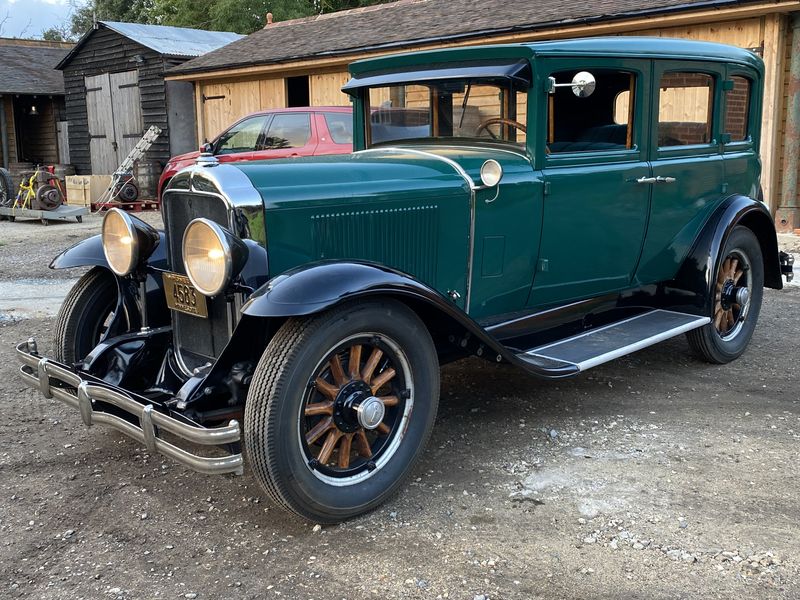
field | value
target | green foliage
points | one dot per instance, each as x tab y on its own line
57	34
131	11
241	16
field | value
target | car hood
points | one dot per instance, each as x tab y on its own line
423	170
189	156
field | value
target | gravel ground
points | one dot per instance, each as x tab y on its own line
655	476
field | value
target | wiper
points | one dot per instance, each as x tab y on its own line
464	105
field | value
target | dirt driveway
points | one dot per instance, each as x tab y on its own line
655	476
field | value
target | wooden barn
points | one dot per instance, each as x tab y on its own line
32	127
306	59
115	90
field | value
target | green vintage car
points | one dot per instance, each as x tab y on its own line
549	205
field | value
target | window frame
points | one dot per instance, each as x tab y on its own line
252	117
749	143
717	73
547	67
265	132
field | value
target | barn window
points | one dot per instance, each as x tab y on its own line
737	109
685	109
599	122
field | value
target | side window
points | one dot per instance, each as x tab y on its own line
597	122
288	130
242	137
685	109
340	126
737	109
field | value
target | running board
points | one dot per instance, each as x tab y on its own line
597	346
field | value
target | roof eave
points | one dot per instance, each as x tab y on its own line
689	7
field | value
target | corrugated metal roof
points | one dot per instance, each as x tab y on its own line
173	41
26	69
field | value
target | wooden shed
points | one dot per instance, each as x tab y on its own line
278	65
32	103
115	90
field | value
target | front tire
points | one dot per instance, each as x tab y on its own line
738	290
340	408
86	312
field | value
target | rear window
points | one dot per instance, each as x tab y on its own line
737	109
340	126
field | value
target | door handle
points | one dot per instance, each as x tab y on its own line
647	180
660	179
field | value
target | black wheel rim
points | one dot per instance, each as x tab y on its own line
335	445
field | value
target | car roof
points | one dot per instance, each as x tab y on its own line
271	111
610	46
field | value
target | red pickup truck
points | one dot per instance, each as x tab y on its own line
279	133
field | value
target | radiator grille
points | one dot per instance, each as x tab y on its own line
403	238
198	340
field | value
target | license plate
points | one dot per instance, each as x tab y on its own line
183	297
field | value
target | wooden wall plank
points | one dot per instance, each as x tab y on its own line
326	89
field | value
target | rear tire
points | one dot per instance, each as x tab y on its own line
739	266
304	439
88	307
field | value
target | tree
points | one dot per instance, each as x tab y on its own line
59	33
241	16
128	11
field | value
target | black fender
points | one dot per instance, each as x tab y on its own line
695	277
316	287
89	253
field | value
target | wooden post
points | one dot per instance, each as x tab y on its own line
201	114
787	216
774	58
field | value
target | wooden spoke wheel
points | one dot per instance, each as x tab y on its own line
735	300
732	297
355	407
341	406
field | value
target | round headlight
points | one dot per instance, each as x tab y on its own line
207	256
491	172
120	242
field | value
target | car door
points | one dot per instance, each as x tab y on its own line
687	162
596	177
335	132
240	141
289	135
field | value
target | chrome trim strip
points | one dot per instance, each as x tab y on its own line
625	350
36	370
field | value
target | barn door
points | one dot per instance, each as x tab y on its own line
115	118
102	138
127	111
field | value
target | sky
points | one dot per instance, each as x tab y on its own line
28	18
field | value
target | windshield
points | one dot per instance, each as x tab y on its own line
443	110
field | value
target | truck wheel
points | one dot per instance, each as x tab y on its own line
340	408
739	288
84	316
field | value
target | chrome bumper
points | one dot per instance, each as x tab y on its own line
40	372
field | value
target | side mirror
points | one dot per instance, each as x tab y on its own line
207	148
583	84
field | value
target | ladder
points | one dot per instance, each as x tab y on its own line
123	176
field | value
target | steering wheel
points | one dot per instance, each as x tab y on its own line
498	120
